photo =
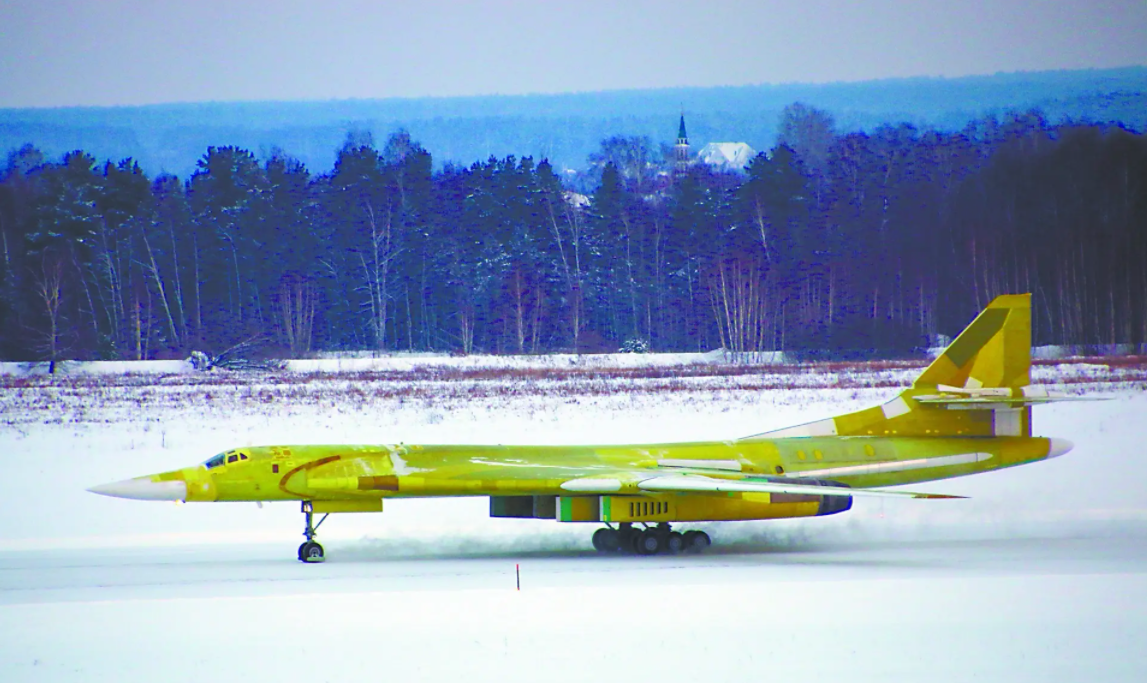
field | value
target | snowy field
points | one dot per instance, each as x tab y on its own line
1040	576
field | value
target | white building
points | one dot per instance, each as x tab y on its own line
727	156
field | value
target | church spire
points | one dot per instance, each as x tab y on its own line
681	149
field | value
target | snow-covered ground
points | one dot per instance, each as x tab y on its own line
1041	575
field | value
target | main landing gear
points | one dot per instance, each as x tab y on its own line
650	540
310	551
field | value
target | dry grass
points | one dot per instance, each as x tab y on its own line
81	398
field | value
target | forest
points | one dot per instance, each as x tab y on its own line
563	128
871	242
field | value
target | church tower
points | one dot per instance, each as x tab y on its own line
681	149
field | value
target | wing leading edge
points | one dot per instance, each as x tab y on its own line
685	483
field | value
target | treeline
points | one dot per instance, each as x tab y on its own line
565	128
828	242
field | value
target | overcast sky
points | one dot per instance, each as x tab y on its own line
108	52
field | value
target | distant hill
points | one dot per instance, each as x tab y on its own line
564	128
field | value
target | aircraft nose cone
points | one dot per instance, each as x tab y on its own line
1057	447
143	488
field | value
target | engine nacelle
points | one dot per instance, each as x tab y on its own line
674	507
677	507
829	505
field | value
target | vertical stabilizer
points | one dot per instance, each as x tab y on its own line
976	387
994	351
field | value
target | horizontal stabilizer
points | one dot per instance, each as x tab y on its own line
1010	401
1013	397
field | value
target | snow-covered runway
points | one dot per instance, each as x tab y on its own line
229	570
1030	608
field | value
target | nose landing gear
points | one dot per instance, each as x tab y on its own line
311	551
650	540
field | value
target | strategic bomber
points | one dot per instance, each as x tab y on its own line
968	412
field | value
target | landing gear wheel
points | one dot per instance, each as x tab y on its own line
674	543
627	537
649	542
697	541
606	541
311	552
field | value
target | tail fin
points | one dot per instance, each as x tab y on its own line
993	352
976	387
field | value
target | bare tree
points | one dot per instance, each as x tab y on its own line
49	289
297	312
738	292
376	261
152	267
808	131
567	226
633	157
526	302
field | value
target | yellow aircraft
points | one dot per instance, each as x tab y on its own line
969	412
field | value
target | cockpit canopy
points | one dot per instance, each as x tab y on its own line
225	458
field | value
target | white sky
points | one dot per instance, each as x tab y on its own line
108	52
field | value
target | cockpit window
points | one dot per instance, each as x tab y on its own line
225	457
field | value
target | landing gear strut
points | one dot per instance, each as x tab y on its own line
650	540
311	551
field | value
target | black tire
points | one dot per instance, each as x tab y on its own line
606	541
311	552
699	542
674	542
688	537
596	539
649	542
